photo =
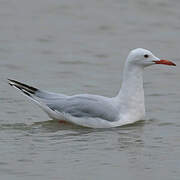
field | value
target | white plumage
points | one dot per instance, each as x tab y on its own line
98	111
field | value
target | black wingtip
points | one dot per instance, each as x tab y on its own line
23	87
10	82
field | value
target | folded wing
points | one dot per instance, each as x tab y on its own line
85	106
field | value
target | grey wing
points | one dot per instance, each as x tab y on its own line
82	106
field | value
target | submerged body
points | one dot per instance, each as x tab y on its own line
98	111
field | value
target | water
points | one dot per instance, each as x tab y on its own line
78	46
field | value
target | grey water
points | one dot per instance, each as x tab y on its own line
79	46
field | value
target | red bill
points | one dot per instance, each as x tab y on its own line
165	62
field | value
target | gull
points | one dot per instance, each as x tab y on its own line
97	111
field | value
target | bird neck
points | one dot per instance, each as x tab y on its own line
131	94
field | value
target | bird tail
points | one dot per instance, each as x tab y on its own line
34	94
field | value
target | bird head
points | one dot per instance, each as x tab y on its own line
144	58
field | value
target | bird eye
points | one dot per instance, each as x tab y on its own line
146	55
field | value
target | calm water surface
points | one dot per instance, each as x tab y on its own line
79	46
